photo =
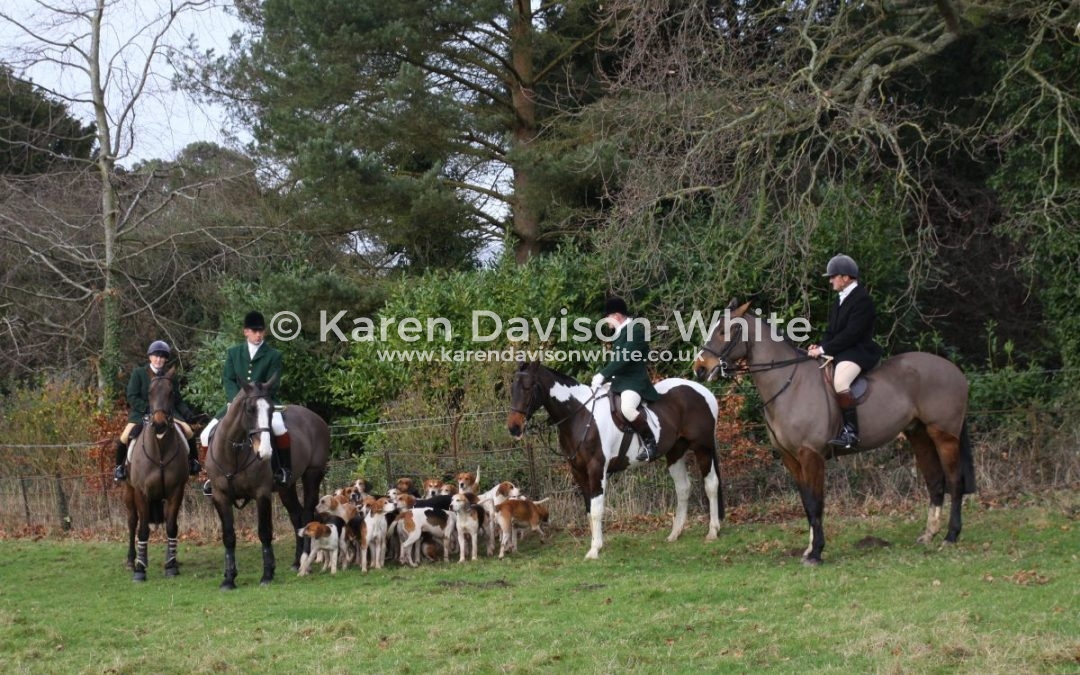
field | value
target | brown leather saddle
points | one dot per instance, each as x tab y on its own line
860	388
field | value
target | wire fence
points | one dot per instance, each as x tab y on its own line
1042	454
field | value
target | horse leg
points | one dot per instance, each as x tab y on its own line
172	531
948	449
808	470
142	538
681	477
266	536
228	539
709	467
926	459
296	516
133	524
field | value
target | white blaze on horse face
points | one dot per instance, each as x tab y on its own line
262	421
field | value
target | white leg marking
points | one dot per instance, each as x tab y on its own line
806	553
933	525
596	519
712	491
682	496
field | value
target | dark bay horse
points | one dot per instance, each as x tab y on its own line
158	475
238	464
683	421
922	395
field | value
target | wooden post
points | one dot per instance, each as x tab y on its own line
62	504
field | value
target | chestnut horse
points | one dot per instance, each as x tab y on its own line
683	421
238	464
922	395
154	490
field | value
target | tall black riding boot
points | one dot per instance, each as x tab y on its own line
283	454
640	425
849	432
120	472
193	456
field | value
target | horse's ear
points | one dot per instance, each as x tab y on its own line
523	366
743	308
733	304
273	380
171	374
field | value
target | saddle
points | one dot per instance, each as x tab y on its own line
617	417
860	388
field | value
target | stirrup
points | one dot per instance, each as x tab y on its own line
282	476
846	439
120	473
648	451
208	489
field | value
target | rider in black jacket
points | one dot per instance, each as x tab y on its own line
849	339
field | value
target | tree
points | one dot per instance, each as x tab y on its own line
37	133
79	230
407	122
766	137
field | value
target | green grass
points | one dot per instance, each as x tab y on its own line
1004	600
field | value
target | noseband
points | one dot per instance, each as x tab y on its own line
722	356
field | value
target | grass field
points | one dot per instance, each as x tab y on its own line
1006	599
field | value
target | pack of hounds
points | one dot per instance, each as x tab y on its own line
354	526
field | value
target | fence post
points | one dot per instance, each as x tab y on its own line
62	504
25	498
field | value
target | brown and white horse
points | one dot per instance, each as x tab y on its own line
920	394
683	421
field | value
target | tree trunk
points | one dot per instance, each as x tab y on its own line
526	222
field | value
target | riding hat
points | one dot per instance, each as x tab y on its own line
159	347
842	265
614	305
254	321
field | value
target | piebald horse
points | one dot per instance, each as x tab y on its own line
683	421
238	464
154	490
920	394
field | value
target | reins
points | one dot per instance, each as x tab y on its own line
549	424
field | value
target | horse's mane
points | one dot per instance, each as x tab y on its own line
561	378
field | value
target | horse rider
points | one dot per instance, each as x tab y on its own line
138	395
627	372
255	361
849	340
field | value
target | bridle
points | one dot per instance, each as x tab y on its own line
534	404
168	411
722	363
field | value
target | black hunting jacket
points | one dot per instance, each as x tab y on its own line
850	334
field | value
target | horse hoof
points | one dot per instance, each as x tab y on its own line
811	562
227	586
265	582
171	572
139	577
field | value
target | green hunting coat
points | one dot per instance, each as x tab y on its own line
240	367
626	369
138	396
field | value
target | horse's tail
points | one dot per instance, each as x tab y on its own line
157	511
967	461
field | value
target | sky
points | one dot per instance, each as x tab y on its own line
164	121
